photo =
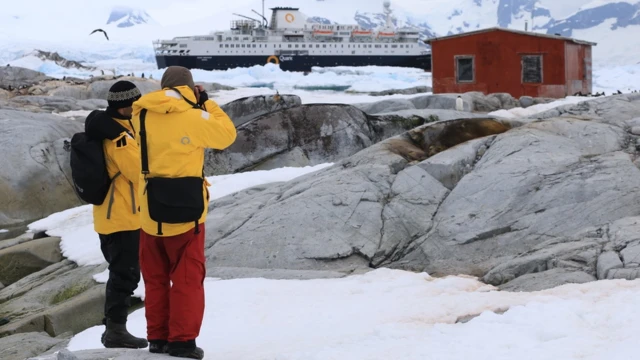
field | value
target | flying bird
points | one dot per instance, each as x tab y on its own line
104	32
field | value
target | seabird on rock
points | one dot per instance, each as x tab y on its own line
459	104
104	32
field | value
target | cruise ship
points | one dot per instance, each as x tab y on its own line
296	44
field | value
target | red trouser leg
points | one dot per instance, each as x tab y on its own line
155	267
186	256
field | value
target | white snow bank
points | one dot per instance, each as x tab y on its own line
389	314
3	231
80	243
535	109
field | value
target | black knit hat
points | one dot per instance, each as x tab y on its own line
122	94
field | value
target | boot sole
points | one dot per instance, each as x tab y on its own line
109	345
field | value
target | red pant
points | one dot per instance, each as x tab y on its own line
174	310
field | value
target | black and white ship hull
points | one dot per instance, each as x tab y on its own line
302	63
295	44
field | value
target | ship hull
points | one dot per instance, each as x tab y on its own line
302	63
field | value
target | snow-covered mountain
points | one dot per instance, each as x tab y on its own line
124	17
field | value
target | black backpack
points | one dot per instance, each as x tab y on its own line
89	169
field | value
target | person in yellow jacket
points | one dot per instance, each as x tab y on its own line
117	221
176	125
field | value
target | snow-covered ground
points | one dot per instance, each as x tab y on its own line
389	314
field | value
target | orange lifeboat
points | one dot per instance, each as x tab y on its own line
386	34
322	32
361	33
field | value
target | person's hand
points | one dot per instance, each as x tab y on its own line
201	95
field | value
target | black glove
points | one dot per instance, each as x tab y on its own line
203	97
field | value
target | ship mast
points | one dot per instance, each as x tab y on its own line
387	11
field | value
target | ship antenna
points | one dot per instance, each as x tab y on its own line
387	11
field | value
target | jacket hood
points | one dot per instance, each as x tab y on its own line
165	101
100	126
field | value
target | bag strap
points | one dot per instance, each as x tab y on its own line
194	105
143	143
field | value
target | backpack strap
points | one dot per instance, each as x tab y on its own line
143	143
144	153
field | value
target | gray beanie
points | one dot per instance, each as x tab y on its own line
177	76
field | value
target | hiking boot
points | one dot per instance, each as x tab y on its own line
186	349
117	336
158	346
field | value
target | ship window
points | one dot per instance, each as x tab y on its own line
289	45
183	45
242	45
317	46
532	69
394	46
304	46
296	46
324	46
226	45
254	45
221	45
465	69
386	46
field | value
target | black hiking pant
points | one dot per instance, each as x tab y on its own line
120	249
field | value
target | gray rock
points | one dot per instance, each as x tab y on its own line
606	262
633	122
22	346
526	101
1	286
364	211
324	133
110	354
631	256
623	232
246	109
21	260
408	91
17	77
635	130
99	89
45	300
34	167
57	104
293	158
506	100
66	355
547	279
627	274
386	106
451	166
443	101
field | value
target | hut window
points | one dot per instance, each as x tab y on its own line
465	69
532	69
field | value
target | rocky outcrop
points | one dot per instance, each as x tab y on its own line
49	104
12	77
35	175
308	134
535	204
408	91
27	345
21	260
248	108
59	298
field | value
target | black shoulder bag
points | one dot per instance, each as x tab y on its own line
170	200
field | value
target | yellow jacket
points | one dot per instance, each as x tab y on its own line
119	212
177	135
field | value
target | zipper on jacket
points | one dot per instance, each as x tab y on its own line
111	196
133	198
